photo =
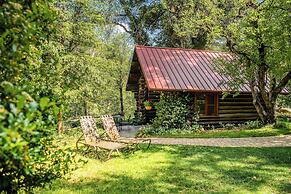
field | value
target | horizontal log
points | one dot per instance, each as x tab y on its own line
238	115
152	111
237	111
222	122
153	96
236	100
154	92
228	119
240	95
235	107
235	103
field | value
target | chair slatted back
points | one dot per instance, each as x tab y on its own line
110	127
88	125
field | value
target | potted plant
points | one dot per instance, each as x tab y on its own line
148	104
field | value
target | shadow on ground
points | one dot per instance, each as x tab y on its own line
185	169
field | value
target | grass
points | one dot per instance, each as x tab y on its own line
183	169
283	128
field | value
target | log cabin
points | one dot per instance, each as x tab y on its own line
156	69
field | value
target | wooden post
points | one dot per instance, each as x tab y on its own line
121	95
141	98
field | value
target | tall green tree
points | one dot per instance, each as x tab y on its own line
78	42
92	58
190	12
139	18
28	155
259	34
22	26
158	22
119	51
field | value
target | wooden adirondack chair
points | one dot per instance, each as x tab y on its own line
91	138
113	134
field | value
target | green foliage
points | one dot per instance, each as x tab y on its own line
283	124
186	23
28	62
173	115
284	101
28	155
139	18
160	22
173	111
22	24
252	124
257	32
228	126
147	103
284	114
151	130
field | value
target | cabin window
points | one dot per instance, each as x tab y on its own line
208	104
200	101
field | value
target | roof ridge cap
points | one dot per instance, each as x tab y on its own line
186	49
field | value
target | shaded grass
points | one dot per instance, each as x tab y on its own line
183	169
283	128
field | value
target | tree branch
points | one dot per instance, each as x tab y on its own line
124	27
282	83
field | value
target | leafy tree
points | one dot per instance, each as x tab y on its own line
28	157
258	32
188	11
92	60
22	25
119	51
139	18
77	43
158	22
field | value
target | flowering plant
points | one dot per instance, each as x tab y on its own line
148	102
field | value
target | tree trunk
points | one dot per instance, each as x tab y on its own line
60	122
270	117
266	113
85	108
121	96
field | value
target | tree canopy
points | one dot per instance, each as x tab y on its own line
61	59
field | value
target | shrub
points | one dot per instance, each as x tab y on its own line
151	130
173	112
228	126
252	124
28	155
282	124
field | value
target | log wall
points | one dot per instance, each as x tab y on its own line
140	97
232	110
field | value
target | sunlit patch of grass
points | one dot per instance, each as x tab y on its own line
183	169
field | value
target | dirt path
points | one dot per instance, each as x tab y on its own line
276	141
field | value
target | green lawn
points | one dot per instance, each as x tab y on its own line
184	169
282	129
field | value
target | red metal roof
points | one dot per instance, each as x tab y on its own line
178	69
182	69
